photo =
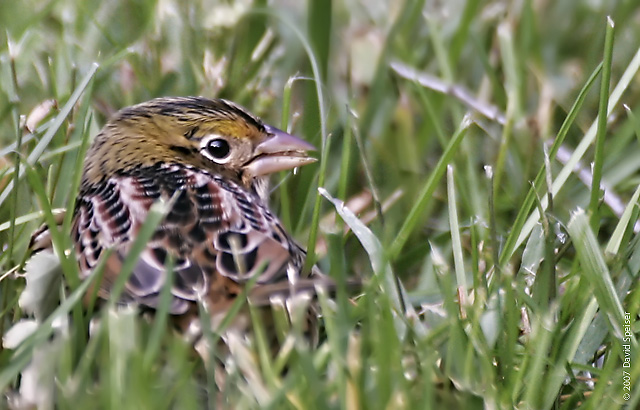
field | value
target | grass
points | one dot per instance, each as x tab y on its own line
500	278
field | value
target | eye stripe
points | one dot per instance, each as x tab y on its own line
182	150
189	134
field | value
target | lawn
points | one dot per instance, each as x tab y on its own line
489	152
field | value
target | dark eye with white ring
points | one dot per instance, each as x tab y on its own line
218	149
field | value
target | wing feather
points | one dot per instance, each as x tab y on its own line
214	228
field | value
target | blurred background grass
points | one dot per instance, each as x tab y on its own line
509	313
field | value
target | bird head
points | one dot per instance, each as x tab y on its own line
213	135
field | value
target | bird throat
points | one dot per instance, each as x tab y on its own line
260	186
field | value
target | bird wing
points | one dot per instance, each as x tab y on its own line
218	235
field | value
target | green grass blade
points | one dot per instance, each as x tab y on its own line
456	242
595	270
613	247
426	194
601	130
624	83
55	126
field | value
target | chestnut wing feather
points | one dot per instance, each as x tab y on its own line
215	227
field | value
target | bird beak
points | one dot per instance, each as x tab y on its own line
279	152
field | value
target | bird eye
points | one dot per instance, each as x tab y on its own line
218	148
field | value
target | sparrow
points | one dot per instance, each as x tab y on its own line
211	160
